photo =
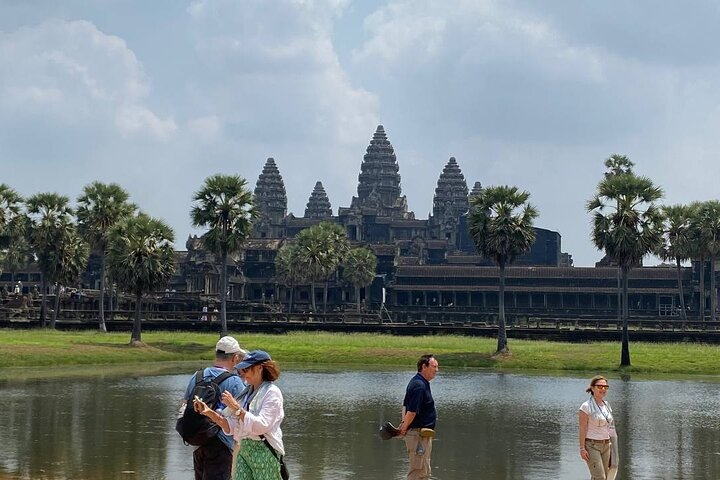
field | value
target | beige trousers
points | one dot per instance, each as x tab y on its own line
599	461
419	450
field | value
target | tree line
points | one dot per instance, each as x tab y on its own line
136	250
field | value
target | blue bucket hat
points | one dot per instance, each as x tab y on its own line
253	358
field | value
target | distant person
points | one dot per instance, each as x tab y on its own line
419	416
213	459
254	420
597	432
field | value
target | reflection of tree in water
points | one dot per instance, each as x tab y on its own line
86	429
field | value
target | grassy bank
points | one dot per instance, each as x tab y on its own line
38	348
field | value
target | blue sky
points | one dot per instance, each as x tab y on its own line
158	95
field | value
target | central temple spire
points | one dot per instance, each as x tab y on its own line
379	175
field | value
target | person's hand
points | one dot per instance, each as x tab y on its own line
201	407
403	430
229	400
584	454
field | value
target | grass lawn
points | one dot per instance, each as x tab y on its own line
39	348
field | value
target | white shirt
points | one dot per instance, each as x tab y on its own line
264	416
599	419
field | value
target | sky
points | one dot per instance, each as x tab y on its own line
157	96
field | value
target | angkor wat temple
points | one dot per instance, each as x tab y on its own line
422	263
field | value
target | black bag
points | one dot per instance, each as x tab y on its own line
194	428
281	458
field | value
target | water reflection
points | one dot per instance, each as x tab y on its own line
491	426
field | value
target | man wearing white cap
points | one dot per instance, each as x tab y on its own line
213	459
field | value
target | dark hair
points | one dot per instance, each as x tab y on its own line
424	360
593	381
220	355
270	371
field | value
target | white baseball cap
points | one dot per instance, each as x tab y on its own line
229	345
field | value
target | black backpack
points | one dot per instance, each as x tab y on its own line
194	428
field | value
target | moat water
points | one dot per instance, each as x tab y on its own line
491	426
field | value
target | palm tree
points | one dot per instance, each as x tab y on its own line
360	264
676	242
141	259
322	247
501	226
709	215
288	266
698	251
627	225
12	230
68	260
50	215
101	206
224	206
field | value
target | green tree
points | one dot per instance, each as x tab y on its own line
100	207
289	268
13	247
626	225
141	259
501	226
67	261
676	242
322	247
224	206
360	264
50	218
709	215
698	251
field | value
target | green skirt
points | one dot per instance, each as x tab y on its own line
255	461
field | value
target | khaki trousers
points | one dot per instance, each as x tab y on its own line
419	450
599	462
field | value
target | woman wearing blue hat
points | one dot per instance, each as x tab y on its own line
254	420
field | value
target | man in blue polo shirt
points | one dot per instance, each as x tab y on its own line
213	460
419	417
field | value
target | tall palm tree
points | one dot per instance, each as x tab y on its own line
698	251
709	214
501	226
360	264
50	215
12	229
224	205
627	225
322	247
141	259
101	206
68	260
289	268
676	243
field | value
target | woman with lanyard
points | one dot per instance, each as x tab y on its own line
254	419
597	431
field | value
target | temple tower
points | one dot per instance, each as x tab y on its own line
318	205
271	201
379	181
450	201
476	190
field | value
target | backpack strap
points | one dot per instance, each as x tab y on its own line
222	377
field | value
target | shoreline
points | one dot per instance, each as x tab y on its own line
22	351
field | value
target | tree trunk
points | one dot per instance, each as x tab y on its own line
135	336
56	307
625	351
325	296
701	306
619	295
43	302
680	289
713	293
223	296
290	299
101	320
502	345
357	297
312	294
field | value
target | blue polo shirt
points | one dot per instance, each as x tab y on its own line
418	399
232	384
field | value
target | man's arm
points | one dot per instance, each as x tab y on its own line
407	420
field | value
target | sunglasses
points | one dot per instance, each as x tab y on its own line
602	387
